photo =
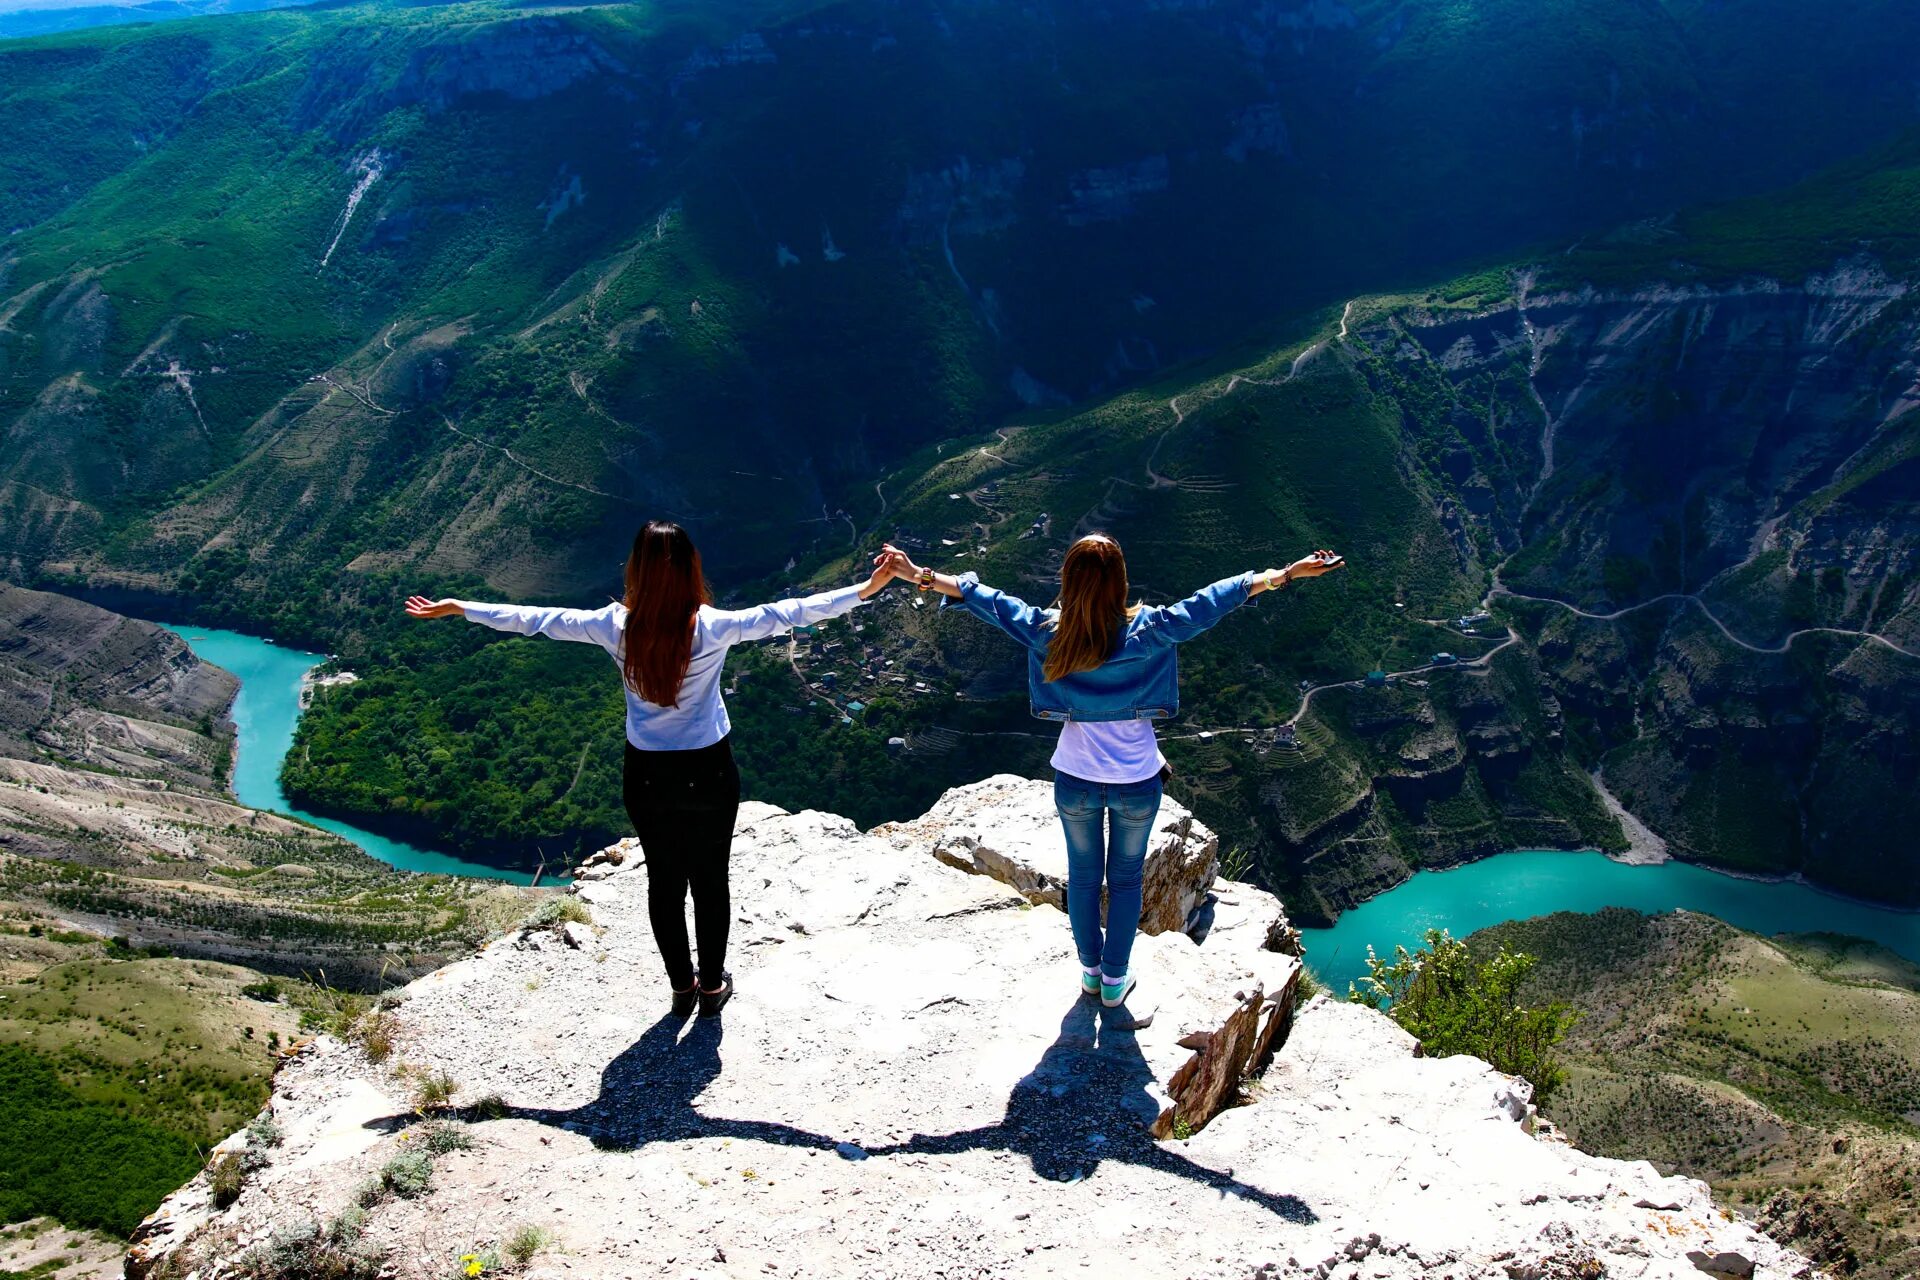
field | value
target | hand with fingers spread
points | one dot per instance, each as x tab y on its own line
421	607
1308	566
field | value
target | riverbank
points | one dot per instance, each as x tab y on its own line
274	681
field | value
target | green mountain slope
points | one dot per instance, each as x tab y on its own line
303	309
599	256
1779	1070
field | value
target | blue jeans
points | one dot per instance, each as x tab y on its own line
1094	857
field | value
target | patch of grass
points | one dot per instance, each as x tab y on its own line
227	1176
527	1243
433	1091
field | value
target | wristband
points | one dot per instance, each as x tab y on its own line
925	579
1275	586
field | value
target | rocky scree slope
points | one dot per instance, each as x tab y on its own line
908	1084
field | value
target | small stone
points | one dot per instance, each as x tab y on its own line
1737	1266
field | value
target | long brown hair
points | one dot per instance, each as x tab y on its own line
664	589
1093	606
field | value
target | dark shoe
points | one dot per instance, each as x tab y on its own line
683	1001
712	1002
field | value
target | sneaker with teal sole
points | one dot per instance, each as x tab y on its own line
1114	994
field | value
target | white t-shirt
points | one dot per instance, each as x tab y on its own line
701	718
1109	750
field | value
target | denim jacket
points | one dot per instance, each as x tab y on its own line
1141	681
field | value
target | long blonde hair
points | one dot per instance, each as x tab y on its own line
1093	607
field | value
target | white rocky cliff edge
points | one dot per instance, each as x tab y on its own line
909	1085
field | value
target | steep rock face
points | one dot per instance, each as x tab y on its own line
94	687
909	1085
1711	491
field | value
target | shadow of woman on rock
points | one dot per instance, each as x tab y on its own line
647	1095
1087	1101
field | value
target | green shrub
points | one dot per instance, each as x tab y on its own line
408	1175
265	1131
309	1252
441	1136
477	1263
1452	1004
556	911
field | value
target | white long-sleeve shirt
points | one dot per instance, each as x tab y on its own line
701	718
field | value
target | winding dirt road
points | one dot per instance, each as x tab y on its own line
1697	602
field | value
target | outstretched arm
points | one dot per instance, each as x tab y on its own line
600	626
733	626
1199	612
1011	614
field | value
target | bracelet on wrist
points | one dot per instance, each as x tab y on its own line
925	580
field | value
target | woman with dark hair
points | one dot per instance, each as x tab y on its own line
1106	670
680	784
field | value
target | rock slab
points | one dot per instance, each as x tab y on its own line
1005	827
909	1085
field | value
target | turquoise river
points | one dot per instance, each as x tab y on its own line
265	713
1515	886
1507	887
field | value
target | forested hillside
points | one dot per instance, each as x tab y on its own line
303	310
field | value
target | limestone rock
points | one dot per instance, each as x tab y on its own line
909	1085
1006	827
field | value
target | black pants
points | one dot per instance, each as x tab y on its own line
682	804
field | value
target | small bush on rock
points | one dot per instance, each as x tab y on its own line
441	1136
408	1174
481	1262
1453	1004
373	1032
265	1132
433	1091
309	1253
348	1227
491	1107
228	1177
556	911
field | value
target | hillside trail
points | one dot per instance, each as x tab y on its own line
1693	598
1203	484
528	467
